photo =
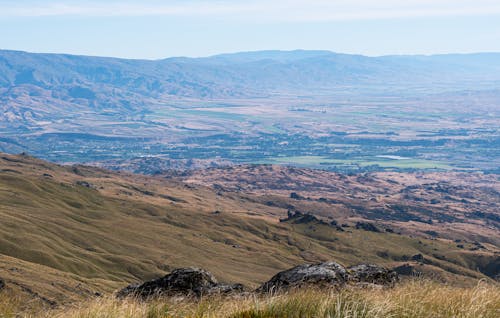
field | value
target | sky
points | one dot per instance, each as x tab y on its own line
153	29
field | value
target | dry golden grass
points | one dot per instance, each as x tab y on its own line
62	241
417	298
9	305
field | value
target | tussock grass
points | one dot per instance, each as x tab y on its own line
9	305
412	299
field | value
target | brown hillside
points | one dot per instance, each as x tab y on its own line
67	232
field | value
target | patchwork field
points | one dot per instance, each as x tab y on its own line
438	112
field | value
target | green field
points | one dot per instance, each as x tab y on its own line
322	161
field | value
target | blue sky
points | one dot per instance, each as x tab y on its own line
156	29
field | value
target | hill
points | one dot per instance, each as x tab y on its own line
67	232
120	88
434	204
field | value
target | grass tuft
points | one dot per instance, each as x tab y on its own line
413	299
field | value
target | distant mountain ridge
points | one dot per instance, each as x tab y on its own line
33	86
169	99
239	74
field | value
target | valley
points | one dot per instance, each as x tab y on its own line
249	159
357	114
116	171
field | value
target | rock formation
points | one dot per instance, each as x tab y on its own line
182	281
329	274
372	274
198	282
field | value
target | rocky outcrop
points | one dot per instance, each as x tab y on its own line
367	227
329	274
418	258
198	282
86	184
183	281
372	274
407	270
298	217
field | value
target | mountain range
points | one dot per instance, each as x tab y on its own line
123	86
269	106
223	150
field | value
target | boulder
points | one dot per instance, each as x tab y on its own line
183	281
328	274
296	196
85	184
407	270
372	274
367	227
302	218
418	258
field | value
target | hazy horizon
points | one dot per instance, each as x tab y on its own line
159	29
250	52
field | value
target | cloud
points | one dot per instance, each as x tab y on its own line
260	10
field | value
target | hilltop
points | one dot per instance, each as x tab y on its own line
69	232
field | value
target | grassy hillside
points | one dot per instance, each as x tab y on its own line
413	299
67	232
451	205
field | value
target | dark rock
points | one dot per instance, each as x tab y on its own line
432	233
383	254
291	215
182	281
372	274
306	218
301	218
367	227
2	284
418	258
296	196
328	274
77	171
85	184
406	270
478	244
